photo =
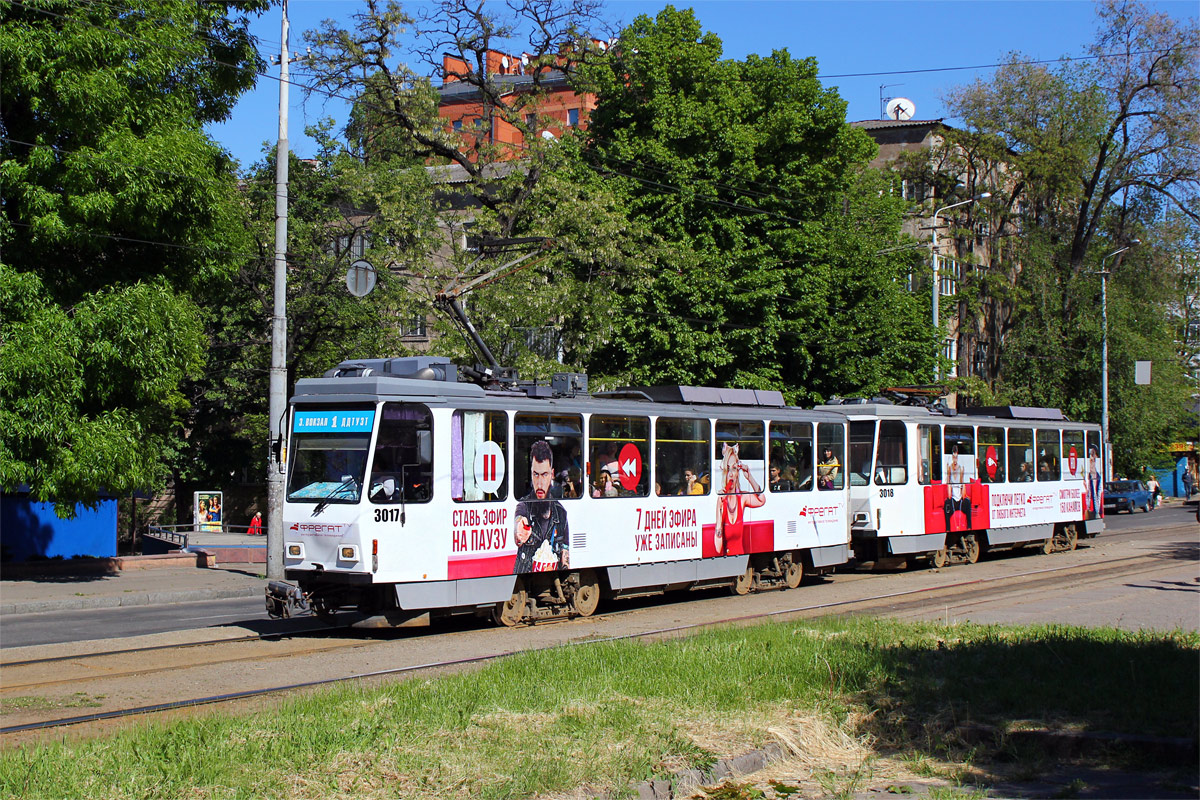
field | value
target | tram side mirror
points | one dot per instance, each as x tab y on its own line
425	446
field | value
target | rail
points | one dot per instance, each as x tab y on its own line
171	534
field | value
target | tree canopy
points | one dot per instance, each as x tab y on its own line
749	174
119	215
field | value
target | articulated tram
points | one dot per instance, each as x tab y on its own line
930	483
410	492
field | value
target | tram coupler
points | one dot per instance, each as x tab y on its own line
285	600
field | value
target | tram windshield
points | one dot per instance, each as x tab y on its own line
328	467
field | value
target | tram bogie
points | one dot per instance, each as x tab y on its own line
409	491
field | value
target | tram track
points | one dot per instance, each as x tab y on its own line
955	593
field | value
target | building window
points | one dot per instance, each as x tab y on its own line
414	326
457	125
950	351
950	273
912	190
573	117
531	121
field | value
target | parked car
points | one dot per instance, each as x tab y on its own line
1126	496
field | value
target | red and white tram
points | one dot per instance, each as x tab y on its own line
932	483
409	491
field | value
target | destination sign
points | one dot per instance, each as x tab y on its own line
333	421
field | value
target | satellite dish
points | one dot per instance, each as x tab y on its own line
360	278
901	108
504	63
547	135
525	59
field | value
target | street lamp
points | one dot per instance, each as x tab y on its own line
1104	355
936	289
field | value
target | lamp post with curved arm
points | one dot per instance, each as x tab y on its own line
1104	355
937	373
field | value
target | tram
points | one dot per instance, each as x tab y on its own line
410	491
929	483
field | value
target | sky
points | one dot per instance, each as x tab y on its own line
916	49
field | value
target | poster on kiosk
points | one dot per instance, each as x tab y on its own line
206	508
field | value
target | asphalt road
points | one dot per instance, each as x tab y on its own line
1163	600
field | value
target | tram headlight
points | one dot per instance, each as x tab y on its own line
348	552
295	550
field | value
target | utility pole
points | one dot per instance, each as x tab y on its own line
276	457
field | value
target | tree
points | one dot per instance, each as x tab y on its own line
557	307
119	214
396	109
1094	155
750	176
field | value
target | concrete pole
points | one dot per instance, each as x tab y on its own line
278	386
1108	474
937	295
1104	373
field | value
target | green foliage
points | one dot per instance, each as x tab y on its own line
746	171
1081	159
87	398
119	214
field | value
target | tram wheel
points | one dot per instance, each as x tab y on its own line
743	583
1048	546
587	596
940	558
971	549
512	610
793	574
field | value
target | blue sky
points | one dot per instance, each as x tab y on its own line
849	37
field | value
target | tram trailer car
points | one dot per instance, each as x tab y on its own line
930	483
411	492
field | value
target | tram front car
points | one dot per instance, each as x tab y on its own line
359	463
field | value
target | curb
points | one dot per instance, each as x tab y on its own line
131	599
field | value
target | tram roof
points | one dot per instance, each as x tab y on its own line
1001	414
647	401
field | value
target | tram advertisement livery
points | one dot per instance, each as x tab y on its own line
410	490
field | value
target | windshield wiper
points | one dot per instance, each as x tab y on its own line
319	507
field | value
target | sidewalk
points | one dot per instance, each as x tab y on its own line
28	594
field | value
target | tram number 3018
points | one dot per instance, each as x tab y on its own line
387	515
887	492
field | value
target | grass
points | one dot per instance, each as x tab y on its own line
608	714
9	705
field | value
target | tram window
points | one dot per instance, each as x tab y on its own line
1020	455
747	437
1049	468
791	467
958	456
1095	464
681	456
862	446
891	468
1072	449
619	455
930	444
327	467
830	442
991	455
402	467
563	435
479	456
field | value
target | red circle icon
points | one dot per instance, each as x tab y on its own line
990	464
629	467
1073	460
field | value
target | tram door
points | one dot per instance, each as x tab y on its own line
895	492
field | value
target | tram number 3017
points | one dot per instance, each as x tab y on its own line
387	515
887	492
